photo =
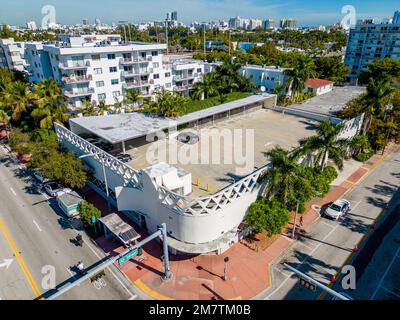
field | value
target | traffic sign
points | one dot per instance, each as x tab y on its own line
128	256
308	285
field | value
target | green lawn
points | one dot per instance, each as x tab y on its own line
197	105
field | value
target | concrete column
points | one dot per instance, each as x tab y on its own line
123	147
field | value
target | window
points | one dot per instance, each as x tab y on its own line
113	69
114	81
168	85
154	53
95	57
143	54
156	76
116	93
101	96
98	71
99	84
111	56
57	57
199	70
155	65
167	74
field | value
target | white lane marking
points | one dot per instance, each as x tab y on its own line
13	191
109	269
37	225
384	275
306	258
355	206
327	224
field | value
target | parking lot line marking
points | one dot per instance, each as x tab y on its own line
20	260
327	224
37	225
13	191
384	275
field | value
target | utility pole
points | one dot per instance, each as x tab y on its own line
295	220
229	43
204	39
226	260
166	34
167	271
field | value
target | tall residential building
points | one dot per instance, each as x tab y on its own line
12	54
174	16
370	40
290	24
85	22
268	24
31	25
99	67
396	17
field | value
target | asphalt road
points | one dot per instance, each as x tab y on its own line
36	236
326	248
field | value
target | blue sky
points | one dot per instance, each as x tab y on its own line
307	12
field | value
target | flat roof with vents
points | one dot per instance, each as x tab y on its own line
117	128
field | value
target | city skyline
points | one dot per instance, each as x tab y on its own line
308	13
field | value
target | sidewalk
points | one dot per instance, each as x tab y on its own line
200	277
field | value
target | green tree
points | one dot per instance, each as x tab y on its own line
271	216
287	181
167	104
87	211
327	144
331	68
207	87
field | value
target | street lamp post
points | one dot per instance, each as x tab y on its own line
104	176
226	260
295	220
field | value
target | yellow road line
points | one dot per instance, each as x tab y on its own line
20	260
150	292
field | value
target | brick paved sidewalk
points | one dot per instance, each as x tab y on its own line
200	277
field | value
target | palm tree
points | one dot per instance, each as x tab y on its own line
103	108
378	95
360	144
21	99
207	87
132	97
168	104
285	178
325	145
303	70
89	109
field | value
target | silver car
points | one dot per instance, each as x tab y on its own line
337	209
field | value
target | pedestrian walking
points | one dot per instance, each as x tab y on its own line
301	221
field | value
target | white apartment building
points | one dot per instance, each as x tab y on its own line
372	40
264	77
12	54
99	68
184	72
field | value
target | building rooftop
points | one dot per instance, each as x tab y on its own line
269	129
317	83
330	103
120	228
122	127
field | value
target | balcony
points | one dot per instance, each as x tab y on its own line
129	61
74	65
77	79
132	73
78	93
181	88
135	84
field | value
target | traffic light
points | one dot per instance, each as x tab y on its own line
308	285
139	251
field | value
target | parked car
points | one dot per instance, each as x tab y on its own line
337	209
69	203
53	188
124	157
39	176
